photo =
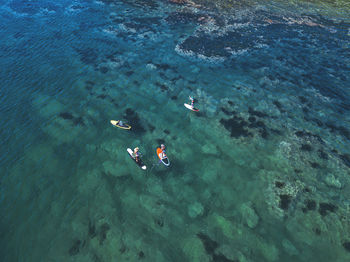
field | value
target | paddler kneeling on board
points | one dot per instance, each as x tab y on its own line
162	147
120	123
136	154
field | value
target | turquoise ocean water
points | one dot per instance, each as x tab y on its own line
261	173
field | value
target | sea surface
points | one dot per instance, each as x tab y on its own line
260	173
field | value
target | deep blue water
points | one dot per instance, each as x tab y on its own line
261	173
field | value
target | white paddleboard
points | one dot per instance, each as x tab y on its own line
140	164
165	161
190	107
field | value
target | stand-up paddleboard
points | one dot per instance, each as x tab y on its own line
116	123
191	108
162	157
140	164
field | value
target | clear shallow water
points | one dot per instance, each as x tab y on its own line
260	174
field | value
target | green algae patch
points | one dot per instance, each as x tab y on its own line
335	9
268	250
249	215
228	228
196	209
325	3
194	249
224	4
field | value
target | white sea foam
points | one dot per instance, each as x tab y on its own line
45	11
110	31
260	45
99	3
71	9
123	27
9	10
120	61
150	36
151	66
189	53
332	30
239	52
316	94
